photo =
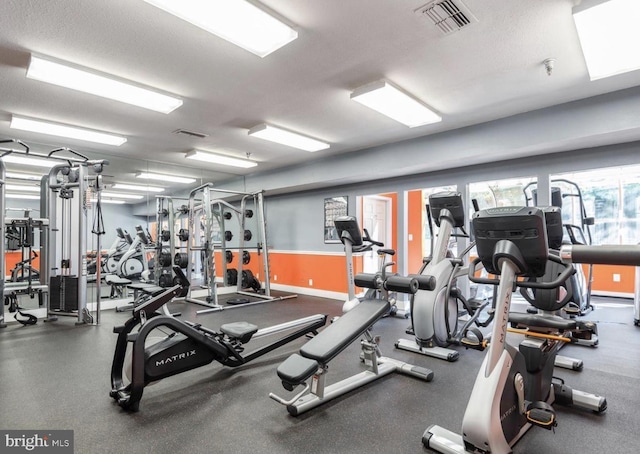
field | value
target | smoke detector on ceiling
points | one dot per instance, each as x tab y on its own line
447	15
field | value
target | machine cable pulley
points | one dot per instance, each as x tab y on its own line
98	220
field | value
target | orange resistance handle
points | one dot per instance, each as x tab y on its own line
542	335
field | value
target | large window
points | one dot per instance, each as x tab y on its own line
612	197
500	193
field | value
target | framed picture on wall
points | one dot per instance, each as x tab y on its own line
334	207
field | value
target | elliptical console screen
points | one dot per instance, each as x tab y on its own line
348	225
525	227
452	201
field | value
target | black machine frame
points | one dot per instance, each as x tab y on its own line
197	347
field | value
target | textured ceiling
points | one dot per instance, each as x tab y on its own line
490	70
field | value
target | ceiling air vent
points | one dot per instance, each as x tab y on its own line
448	15
185	132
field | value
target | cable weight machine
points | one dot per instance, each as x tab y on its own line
70	176
209	210
66	200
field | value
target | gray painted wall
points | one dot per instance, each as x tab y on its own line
570	137
295	221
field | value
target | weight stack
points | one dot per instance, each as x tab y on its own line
63	293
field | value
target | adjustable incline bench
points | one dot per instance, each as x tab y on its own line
312	361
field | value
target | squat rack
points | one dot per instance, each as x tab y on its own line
204	199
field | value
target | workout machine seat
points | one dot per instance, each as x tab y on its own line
118	285
537	321
112	279
148	289
295	370
239	330
335	338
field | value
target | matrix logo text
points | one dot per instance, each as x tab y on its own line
52	441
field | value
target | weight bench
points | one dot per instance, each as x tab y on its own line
145	289
312	361
118	285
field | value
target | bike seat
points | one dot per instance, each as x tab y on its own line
386	252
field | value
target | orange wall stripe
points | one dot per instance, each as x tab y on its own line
414	228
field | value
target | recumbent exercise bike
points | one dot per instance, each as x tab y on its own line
515	388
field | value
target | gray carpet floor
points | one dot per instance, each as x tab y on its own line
56	376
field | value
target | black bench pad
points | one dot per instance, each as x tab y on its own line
116	280
540	321
296	370
147	288
337	336
239	330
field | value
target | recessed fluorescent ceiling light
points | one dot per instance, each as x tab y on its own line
162	177
236	21
135	187
45	70
205	156
71	132
113	202
284	137
29	161
122	196
609	34
21	187
394	103
23	176
22	196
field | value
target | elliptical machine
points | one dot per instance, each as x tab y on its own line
116	251
434	313
577	228
514	388
132	262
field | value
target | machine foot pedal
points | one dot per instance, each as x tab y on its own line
541	414
473	338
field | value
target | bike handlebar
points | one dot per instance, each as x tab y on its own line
368	239
548	285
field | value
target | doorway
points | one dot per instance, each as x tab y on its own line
376	218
